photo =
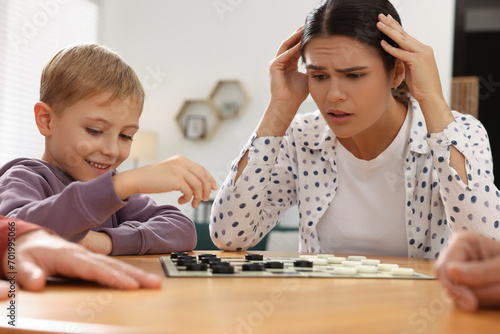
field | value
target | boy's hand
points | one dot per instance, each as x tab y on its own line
174	174
97	242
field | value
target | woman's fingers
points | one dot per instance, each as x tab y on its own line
396	52
393	30
291	41
288	60
389	21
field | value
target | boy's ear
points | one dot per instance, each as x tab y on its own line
43	118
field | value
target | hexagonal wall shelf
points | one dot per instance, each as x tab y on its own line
229	98
198	119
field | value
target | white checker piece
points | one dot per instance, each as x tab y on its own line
336	260
402	271
319	262
345	270
350	263
370	262
387	266
366	269
325	256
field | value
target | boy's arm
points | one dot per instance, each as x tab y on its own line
70	211
97	242
147	228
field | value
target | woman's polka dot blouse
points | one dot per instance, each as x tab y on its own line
300	169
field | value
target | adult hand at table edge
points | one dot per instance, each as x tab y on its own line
41	254
4	290
469	269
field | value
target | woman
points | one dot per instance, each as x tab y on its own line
373	171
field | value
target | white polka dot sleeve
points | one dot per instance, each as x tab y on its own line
245	211
472	204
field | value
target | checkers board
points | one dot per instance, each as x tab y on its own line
256	265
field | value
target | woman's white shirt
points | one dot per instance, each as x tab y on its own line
358	220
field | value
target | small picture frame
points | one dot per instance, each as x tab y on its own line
228	109
196	127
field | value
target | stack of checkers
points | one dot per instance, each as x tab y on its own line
255	265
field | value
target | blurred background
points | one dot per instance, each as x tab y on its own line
209	59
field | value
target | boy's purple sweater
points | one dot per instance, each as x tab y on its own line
38	192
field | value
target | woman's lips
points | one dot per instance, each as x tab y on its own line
338	116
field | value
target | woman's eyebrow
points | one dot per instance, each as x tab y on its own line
350	69
338	70
315	67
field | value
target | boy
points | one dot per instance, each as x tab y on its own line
90	103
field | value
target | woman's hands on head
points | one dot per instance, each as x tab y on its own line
289	88
421	73
422	76
287	83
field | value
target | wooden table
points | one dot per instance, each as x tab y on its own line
251	305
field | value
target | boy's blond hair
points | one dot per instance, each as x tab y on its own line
82	71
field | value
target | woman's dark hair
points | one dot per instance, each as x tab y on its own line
356	19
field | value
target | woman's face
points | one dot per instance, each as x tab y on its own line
350	85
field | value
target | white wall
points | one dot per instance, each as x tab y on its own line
192	46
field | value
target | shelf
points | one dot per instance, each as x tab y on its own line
198	119
229	98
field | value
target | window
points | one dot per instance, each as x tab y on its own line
30	33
